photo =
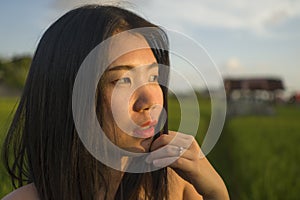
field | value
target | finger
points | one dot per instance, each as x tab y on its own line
181	163
189	154
165	151
175	162
164	162
161	141
175	138
173	151
180	139
182	135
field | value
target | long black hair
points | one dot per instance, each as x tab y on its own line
42	146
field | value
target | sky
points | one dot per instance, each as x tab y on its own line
243	38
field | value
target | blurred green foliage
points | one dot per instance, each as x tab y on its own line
7	106
13	72
257	156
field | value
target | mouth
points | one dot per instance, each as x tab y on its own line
146	130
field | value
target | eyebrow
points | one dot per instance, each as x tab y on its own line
129	67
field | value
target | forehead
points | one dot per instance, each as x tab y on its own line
130	49
135	58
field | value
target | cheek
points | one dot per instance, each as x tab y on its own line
106	117
159	99
116	103
157	95
106	111
119	104
113	119
160	96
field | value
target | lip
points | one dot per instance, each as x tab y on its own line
149	123
146	130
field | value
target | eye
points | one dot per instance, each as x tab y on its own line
153	78
124	80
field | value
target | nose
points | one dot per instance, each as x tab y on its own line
147	97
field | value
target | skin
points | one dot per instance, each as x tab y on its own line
192	170
190	174
131	80
191	165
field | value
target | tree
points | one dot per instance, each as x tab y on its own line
14	72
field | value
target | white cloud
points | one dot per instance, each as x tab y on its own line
232	66
265	18
253	16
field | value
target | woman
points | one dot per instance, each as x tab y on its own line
50	160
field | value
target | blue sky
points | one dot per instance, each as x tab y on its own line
243	37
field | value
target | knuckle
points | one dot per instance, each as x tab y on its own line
168	150
190	138
179	161
163	139
172	133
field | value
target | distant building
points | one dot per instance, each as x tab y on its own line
265	89
252	96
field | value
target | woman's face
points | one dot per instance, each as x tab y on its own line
133	99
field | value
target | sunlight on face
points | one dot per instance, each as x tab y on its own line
132	96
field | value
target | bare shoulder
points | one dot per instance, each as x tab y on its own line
26	192
180	188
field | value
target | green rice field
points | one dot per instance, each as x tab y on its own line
6	107
257	156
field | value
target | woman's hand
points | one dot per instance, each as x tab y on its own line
182	153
